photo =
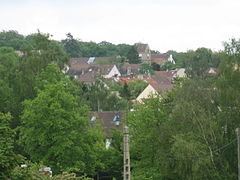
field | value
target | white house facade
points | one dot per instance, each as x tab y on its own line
114	72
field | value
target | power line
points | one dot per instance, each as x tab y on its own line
214	151
226	145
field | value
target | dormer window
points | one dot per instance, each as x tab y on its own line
116	120
93	118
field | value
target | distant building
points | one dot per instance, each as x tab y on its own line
20	53
180	73
144	52
85	69
153	90
159	84
108	120
161	59
130	70
163	76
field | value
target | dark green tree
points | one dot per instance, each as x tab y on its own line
136	87
62	126
72	46
200	62
8	65
125	92
146	69
8	159
155	66
133	56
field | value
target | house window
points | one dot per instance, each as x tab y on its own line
93	118
116	120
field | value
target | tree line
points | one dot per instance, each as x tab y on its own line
44	117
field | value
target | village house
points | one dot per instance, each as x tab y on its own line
85	70
159	83
161	59
130	70
163	77
93	60
109	120
153	90
144	52
180	73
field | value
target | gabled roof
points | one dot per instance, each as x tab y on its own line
78	68
76	61
102	59
108	120
153	89
163	76
160	58
163	86
91	60
99	69
88	77
134	68
103	69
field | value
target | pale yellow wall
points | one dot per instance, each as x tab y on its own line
147	92
180	73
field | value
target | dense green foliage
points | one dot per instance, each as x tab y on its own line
146	69
62	135
136	87
31	172
187	134
190	133
8	158
12	39
78	48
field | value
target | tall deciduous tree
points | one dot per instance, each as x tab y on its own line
133	56
8	159
71	46
199	62
125	92
55	129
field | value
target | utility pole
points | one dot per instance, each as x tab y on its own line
126	155
238	141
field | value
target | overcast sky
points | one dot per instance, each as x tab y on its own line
163	24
